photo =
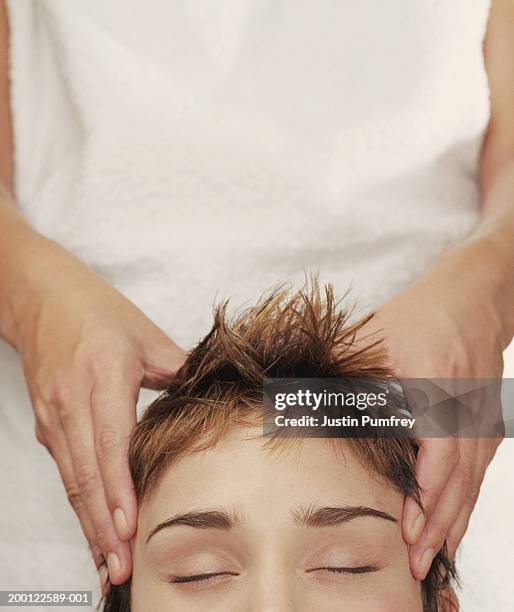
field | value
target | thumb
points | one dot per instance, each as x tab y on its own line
162	358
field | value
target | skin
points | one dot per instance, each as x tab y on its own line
266	554
469	295
85	409
449	470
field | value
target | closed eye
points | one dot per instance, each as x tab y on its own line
200	577
364	569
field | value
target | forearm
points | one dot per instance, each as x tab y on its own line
482	268
16	240
6	135
497	190
486	259
15	233
496	228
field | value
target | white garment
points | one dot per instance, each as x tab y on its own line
191	151
188	150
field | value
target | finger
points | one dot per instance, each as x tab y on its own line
103	575
446	512
78	427
62	456
435	463
161	361
485	452
54	440
114	417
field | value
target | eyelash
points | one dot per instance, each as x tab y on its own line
365	569
199	577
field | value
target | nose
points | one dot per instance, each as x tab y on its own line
274	591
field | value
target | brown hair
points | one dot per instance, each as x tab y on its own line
302	334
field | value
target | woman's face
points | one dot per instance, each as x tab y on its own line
239	527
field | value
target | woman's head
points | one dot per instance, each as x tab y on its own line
230	520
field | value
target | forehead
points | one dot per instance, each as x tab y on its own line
242	473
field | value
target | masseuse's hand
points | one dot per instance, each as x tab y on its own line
446	325
86	351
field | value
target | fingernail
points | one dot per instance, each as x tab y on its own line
120	523
104	577
416	527
425	561
114	565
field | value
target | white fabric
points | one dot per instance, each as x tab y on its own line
190	151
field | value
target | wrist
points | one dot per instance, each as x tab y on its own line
482	268
18	272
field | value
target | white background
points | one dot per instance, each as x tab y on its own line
487	553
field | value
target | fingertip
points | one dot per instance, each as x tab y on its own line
413	522
417	527
119	564
162	362
125	521
122	505
422	564
114	567
419	575
103	575
121	524
416	572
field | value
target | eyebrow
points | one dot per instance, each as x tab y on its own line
329	516
201	519
312	516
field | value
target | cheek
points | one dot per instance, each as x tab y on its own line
386	595
400	591
392	589
145	596
145	593
405	597
402	584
